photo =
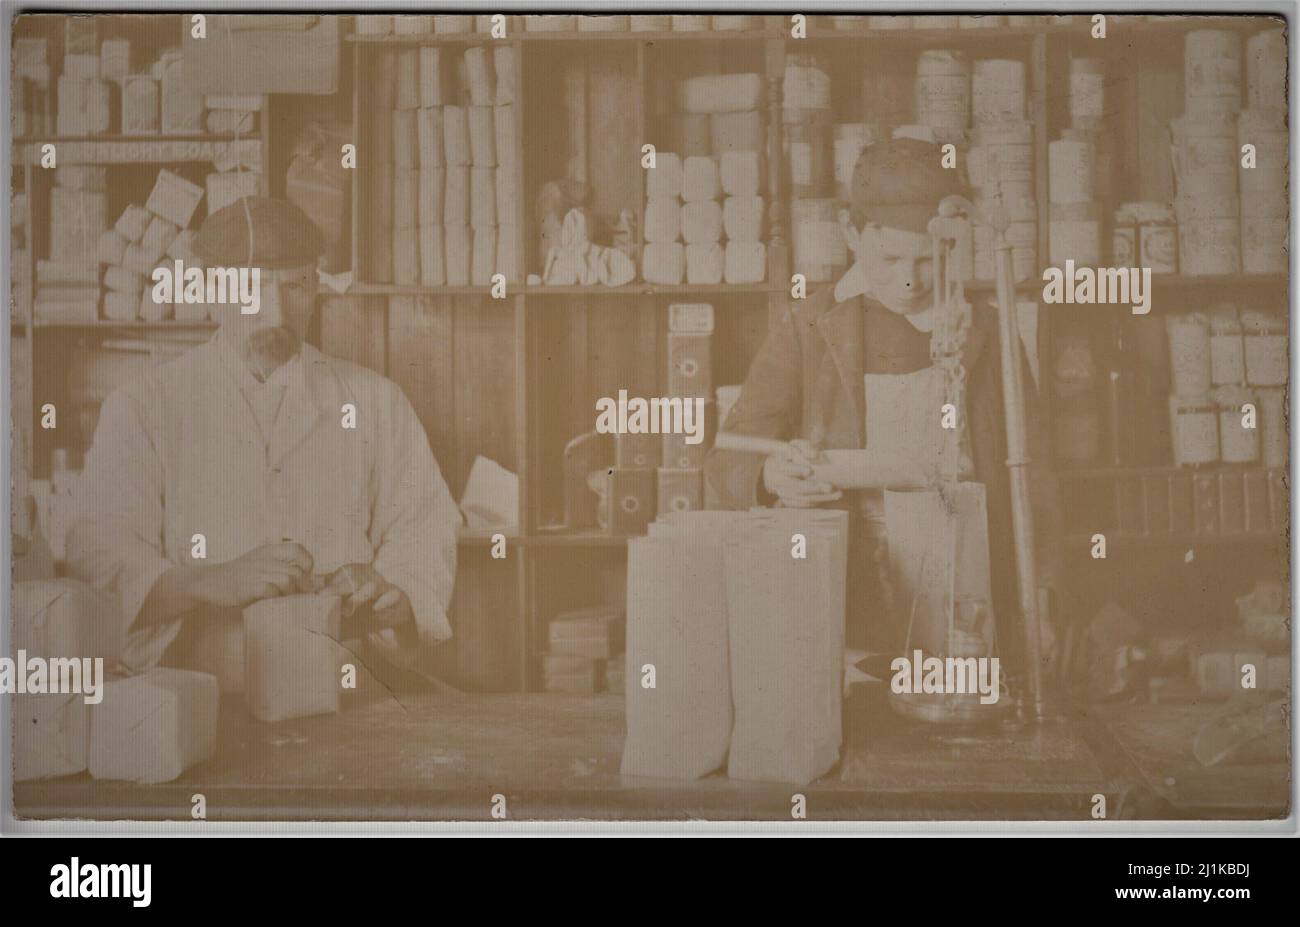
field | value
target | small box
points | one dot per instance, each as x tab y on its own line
77	218
680	490
678	454
151	728
636	451
174	198
158	237
629	501
572	674
133	223
140	104
690	318
690	368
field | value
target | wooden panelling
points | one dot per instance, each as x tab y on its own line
352	327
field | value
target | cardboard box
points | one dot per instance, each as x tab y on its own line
140	105
181	104
153	727
174	198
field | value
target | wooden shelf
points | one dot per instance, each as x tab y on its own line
135	325
652	289
1121	473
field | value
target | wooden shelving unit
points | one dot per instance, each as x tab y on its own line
513	379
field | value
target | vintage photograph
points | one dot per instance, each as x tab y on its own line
648	417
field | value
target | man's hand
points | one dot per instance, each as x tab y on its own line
262	573
788	476
370	602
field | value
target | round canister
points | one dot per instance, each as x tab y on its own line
1237	444
1264	244
1274	447
1227	348
1266	348
1194	426
1189	353
1209	246
998	90
1071	171
1266	69
943	90
1212	63
806	88
1087	92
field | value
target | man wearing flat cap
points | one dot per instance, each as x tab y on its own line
861	349
254	466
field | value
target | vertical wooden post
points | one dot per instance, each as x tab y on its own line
778	258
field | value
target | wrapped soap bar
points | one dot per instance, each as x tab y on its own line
433	270
741	173
702	222
503	66
293	656
742	218
112	247
479	80
456	195
133	222
406	195
406	144
704	263
665	178
140	105
432	181
663	220
663	262
482	136
121	280
430	76
483	260
505	141
482	197
174	198
407	93
459	242
59	619
700	179
151	728
406	256
428	125
119	307
745	262
455	135
181	105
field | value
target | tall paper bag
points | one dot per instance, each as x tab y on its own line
293	654
677	621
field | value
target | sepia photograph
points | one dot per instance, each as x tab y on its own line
654	419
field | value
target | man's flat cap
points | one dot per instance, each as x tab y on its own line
899	183
258	231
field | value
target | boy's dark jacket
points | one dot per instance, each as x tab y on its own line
807	382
